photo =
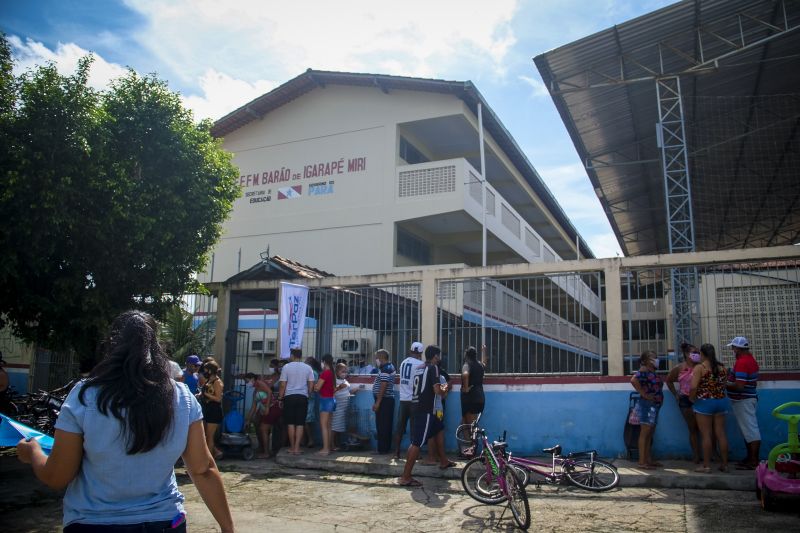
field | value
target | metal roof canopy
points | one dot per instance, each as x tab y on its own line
604	87
465	90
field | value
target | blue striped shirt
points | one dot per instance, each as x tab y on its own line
385	375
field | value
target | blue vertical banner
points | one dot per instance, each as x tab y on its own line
293	302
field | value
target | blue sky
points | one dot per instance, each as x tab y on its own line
220	55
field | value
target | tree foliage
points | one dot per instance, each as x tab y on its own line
109	200
181	338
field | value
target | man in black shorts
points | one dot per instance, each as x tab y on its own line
426	426
408	368
296	382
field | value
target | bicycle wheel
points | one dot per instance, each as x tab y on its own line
595	476
479	483
518	500
523	475
464	434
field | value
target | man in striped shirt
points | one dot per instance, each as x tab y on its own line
742	384
383	391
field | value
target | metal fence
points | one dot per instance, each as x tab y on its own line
349	323
758	300
589	317
52	370
545	324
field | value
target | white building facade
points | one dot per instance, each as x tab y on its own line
364	174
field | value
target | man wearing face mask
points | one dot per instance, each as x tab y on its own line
383	390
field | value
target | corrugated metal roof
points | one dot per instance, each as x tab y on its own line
615	121
464	90
277	267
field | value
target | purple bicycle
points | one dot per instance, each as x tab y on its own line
581	469
498	479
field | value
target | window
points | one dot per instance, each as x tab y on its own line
410	154
411	246
257	346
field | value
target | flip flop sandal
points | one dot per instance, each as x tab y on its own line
703	470
412	483
450	464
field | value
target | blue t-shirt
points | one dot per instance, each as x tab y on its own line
115	488
191	380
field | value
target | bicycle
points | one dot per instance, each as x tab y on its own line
497	481
581	469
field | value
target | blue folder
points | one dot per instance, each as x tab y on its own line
12	431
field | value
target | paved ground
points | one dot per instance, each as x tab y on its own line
264	495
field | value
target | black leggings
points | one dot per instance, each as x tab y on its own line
144	527
383	423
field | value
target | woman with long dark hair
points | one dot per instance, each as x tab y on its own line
210	397
710	405
118	437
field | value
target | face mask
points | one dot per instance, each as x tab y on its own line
655	362
378	363
341	376
695	357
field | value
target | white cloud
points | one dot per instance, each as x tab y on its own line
278	40
538	86
219	92
222	94
573	190
65	57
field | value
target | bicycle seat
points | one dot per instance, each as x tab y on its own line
499	445
555	450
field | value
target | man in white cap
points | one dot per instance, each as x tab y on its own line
408	368
744	399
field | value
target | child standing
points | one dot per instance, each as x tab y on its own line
342	396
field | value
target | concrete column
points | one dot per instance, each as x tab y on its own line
223	312
429	312
616	365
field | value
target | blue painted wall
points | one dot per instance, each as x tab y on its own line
582	420
18	379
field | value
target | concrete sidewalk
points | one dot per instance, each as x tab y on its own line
674	474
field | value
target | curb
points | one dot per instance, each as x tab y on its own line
674	475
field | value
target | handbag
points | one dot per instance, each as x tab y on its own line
633	416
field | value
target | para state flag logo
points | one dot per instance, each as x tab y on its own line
287	193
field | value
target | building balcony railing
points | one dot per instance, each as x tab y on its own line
454	184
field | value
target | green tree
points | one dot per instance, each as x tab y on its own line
109	200
181	338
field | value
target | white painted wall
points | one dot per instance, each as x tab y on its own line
351	230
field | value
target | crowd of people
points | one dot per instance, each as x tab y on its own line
166	413
305	397
706	392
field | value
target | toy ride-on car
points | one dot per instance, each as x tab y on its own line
779	475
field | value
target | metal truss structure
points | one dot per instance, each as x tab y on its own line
678	197
602	87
